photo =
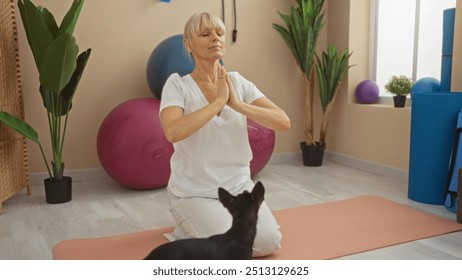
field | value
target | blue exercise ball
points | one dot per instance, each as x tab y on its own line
367	92
427	84
167	58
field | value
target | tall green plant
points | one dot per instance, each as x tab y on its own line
60	68
330	70
300	34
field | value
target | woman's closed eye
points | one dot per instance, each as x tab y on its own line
208	33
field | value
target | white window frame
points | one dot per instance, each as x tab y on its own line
385	97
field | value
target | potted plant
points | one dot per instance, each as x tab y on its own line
400	87
330	70
300	34
60	68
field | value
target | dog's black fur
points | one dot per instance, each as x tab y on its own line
234	244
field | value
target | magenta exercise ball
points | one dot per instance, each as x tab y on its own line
133	150
367	92
132	147
261	141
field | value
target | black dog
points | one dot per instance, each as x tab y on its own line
235	244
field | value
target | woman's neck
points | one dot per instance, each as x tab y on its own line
205	72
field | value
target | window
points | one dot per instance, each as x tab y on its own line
408	38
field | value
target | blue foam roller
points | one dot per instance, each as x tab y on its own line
448	31
433	121
447	48
446	73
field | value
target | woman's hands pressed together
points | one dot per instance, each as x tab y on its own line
223	92
262	110
226	89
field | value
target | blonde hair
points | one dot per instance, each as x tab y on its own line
199	22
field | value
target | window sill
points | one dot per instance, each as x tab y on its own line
387	102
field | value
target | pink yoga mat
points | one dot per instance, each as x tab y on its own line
314	232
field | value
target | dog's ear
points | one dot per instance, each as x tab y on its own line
225	198
258	193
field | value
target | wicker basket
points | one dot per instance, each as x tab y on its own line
14	171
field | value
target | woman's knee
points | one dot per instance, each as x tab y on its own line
200	217
267	242
269	236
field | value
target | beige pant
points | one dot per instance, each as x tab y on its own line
197	217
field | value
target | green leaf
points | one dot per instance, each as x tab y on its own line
285	18
50	21
71	17
48	99
285	35
330	70
71	87
64	98
37	32
59	63
322	86
298	33
19	125
304	24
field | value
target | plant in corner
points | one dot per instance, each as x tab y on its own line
330	70
400	87
60	68
300	34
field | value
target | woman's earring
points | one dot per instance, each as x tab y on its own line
190	56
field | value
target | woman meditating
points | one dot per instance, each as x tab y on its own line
204	114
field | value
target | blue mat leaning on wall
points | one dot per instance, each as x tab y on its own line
433	123
434	118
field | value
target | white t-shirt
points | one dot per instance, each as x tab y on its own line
218	154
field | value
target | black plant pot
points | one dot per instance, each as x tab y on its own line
399	100
312	154
58	191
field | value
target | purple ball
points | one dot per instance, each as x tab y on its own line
367	92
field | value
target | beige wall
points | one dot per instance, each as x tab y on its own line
122	35
376	133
